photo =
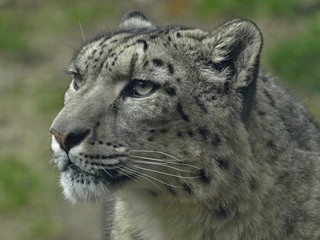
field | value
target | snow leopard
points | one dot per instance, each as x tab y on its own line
184	137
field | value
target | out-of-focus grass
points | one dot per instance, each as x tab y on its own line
253	8
17	184
297	60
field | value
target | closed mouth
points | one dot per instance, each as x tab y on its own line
108	176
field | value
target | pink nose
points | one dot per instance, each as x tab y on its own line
68	140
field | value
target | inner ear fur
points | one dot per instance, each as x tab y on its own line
134	20
236	46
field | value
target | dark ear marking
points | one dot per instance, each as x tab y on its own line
135	14
134	20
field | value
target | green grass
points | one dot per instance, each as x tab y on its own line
18	183
251	8
297	60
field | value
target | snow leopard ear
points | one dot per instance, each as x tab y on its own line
134	20
236	46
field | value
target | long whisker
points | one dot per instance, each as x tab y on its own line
159	152
156	179
165	161
163	173
82	33
128	174
138	175
103	170
164	164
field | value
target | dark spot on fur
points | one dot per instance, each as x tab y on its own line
92	143
152	130
170	69
145	44
271	144
178	35
187	188
163	130
109	144
204	177
190	133
252	184
157	62
100	142
203	132
133	61
222	163
169	90
179	134
164	110
261	113
169	39
182	113
271	100
216	140
146	64
178	80
150	139
222	212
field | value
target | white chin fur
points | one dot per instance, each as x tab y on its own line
77	192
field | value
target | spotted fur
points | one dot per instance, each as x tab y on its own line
214	148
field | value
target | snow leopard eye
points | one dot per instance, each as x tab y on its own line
76	79
140	88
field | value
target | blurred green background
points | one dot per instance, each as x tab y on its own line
37	38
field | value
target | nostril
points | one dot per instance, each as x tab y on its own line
68	140
74	138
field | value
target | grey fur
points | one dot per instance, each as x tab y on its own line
215	150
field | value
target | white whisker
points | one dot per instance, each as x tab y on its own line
159	164
82	33
165	161
156	179
159	152
163	173
138	175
